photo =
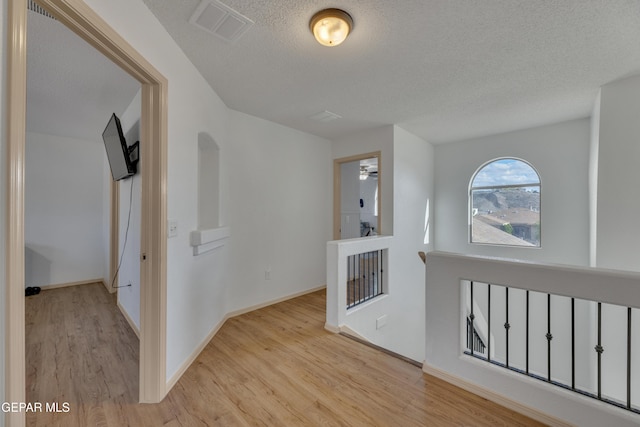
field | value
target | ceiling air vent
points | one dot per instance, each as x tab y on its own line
220	20
325	116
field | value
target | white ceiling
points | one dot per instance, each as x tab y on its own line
72	90
442	69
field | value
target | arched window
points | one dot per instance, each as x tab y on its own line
504	200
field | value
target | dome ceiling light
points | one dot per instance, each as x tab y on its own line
331	26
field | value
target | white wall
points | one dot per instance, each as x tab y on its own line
617	203
130	191
106	223
560	154
594	147
413	191
63	210
280	212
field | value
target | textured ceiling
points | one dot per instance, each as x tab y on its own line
442	69
71	88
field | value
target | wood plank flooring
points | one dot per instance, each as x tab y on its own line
272	367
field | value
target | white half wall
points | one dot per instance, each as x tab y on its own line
560	154
64	239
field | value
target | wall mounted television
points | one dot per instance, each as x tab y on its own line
122	159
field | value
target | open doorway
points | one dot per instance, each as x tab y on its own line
72	91
357	196
78	17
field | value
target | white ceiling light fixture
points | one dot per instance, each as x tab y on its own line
331	27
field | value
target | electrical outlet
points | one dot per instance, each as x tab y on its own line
381	321
267	274
172	229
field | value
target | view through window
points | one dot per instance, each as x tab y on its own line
505	204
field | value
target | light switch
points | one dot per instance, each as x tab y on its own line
173	228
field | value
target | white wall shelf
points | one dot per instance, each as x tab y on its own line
207	240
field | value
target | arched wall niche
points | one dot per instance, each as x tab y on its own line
210	233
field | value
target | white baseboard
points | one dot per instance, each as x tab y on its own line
68	284
196	352
347	330
109	289
331	328
495	397
129	320
272	302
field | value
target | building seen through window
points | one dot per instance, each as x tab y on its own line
504	201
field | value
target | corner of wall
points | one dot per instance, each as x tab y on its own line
594	148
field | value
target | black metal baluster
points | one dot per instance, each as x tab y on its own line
489	322
349	284
471	317
599	349
380	277
377	273
356	280
367	276
573	343
360	278
370	275
527	337
549	337
380	272
628	357
507	326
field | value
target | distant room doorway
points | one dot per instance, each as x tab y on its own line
357	199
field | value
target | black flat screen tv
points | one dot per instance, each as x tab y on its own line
122	159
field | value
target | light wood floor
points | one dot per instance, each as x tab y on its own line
273	367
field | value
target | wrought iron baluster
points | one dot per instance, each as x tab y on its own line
471	317
549	337
488	322
527	336
599	349
507	326
573	343
628	357
381	272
